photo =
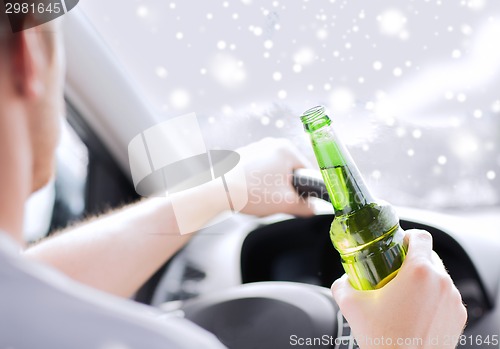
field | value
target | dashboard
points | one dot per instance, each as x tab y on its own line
299	250
246	251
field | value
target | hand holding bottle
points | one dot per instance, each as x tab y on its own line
420	304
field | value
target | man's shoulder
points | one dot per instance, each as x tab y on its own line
49	306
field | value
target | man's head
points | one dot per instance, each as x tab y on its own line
31	93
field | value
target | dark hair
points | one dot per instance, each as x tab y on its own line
12	22
16	22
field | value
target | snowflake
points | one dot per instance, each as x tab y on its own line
227	110
391	22
257	31
341	100
466	29
161	72
456	54
476	4
221	45
142	11
465	145
400	132
322	34
496	107
268	44
304	56
180	99
277	76
227	70
478	113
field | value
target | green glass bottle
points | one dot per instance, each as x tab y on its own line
365	231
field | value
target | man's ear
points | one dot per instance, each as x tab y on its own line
28	62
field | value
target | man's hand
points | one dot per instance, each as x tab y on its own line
421	304
269	166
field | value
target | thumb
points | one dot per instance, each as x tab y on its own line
341	288
419	245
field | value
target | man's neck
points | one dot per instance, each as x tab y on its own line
15	169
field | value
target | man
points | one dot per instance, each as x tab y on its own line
43	308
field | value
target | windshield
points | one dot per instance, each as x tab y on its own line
412	88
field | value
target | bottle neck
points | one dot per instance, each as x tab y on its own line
343	180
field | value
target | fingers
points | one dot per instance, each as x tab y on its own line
298	159
419	245
302	209
438	262
294	156
421	259
297	206
270	164
341	288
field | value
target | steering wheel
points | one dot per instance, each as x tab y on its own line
272	314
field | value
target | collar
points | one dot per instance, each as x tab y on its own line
8	244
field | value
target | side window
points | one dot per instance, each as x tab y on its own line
88	181
108	186
71	179
62	201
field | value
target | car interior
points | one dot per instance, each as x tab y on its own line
254	281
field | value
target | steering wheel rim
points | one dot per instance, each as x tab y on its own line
269	315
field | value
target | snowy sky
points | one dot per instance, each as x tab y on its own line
413	87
